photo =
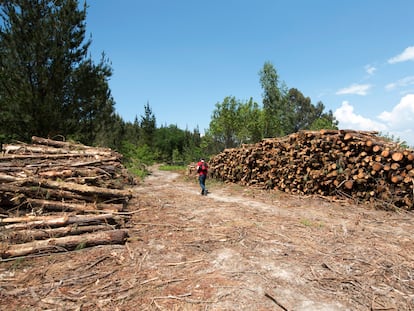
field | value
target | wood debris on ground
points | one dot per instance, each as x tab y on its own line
58	196
341	163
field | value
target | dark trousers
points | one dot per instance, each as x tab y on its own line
202	181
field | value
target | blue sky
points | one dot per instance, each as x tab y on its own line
184	56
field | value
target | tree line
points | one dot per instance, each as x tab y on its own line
51	87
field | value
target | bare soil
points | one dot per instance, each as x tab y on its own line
236	249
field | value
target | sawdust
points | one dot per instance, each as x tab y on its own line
235	249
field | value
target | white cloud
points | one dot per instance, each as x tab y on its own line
400	83
401	117
347	118
370	70
357	89
398	122
406	55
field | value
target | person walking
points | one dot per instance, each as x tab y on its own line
202	169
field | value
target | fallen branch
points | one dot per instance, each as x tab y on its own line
183	262
276	302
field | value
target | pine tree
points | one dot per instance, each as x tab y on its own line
48	86
148	127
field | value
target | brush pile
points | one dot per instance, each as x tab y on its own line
341	163
59	196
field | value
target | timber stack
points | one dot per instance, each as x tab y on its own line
59	196
338	163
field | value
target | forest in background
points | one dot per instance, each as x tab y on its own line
51	87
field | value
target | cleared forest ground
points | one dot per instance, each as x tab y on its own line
236	249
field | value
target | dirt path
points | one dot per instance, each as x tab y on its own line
236	249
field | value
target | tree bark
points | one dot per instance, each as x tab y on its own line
67	243
28	235
63	206
27	222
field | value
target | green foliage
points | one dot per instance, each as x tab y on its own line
113	133
177	156
137	158
225	122
169	142
209	145
48	84
251	125
148	127
192	152
327	123
306	116
234	122
132	153
275	109
284	112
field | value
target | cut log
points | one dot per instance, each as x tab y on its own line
376	166
385	153
39	192
8	178
39	156
93	162
26	222
397	156
62	206
320	162
376	148
65	243
349	184
64	173
24	148
59	177
71	147
396	179
23	236
80	189
36	188
52	142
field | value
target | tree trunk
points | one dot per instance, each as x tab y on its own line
67	243
27	222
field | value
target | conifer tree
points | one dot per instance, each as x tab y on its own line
48	85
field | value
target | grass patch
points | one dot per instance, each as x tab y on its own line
140	172
18	263
80	246
173	168
306	222
309	223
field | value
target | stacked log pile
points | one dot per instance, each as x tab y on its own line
355	164
59	196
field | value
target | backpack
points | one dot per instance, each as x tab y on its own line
202	167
